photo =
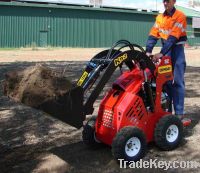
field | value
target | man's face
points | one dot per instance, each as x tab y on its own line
169	4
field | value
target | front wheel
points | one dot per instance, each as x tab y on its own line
88	134
129	144
168	132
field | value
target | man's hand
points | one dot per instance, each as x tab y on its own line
157	56
148	54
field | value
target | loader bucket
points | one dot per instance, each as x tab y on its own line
67	108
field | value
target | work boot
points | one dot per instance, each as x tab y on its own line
184	120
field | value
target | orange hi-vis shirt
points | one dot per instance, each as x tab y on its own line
166	25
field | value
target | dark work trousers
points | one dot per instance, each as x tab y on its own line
176	88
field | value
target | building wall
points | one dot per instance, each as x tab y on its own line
46	25
193	34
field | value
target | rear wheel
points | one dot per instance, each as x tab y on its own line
88	133
129	144
168	132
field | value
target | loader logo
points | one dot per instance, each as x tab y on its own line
165	69
120	59
166	61
82	79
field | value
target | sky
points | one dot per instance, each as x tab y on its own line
139	4
143	4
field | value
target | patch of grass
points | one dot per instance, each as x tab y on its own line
8	48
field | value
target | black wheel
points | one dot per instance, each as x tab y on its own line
88	133
129	144
168	132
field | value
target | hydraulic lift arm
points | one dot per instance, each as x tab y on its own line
72	108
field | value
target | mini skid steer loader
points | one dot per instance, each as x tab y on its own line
134	112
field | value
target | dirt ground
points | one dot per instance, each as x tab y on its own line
31	141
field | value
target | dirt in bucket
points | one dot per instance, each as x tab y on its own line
35	85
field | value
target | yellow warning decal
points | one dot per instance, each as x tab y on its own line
120	59
82	79
165	69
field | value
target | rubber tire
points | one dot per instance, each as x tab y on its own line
89	132
161	129
119	143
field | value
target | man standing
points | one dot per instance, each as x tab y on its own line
170	27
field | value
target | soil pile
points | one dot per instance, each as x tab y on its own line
35	85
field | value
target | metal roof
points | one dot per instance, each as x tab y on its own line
78	7
188	11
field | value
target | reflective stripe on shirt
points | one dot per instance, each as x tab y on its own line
180	25
181	42
167	32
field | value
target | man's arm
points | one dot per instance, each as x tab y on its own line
178	29
153	37
151	42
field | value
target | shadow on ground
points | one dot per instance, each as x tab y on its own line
28	135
